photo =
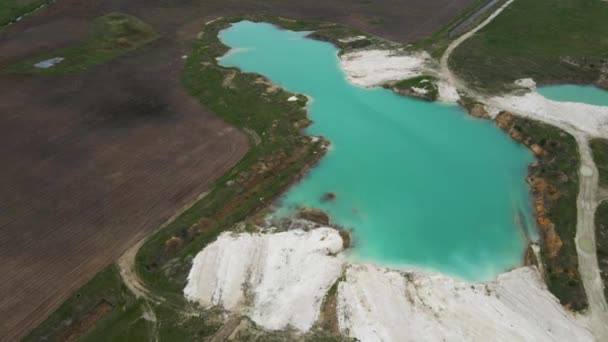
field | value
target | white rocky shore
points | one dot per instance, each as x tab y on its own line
279	280
372	68
587	118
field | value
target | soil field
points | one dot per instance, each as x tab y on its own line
93	162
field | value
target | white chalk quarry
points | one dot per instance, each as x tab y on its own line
369	68
278	280
372	68
584	117
378	304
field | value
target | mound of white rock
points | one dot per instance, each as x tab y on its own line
379	304
279	280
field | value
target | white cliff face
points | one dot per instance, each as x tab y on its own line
279	280
379	304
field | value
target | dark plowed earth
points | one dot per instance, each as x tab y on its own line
91	163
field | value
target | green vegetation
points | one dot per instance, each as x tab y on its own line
10	10
599	148
245	101
601	237
426	83
548	40
554	182
70	319
112	35
283	153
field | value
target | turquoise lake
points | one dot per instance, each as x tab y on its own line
420	184
575	93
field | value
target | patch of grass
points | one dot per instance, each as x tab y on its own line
439	41
599	149
128	324
555	185
113	35
601	240
550	41
10	10
426	83
105	286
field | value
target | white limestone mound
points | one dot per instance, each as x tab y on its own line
379	304
369	68
587	118
278	280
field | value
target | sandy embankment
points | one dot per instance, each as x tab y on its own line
279	281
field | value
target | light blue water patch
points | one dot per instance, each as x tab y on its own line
575	93
420	184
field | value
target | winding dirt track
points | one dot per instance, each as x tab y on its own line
587	200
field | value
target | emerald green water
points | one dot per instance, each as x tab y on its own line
420	184
575	93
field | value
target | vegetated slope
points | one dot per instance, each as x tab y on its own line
601	237
549	40
93	161
599	149
554	182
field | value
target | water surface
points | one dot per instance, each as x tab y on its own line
421	184
575	93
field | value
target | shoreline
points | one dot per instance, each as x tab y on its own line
367	295
523	267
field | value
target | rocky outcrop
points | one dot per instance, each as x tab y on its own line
314	215
504	120
541	189
479	111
